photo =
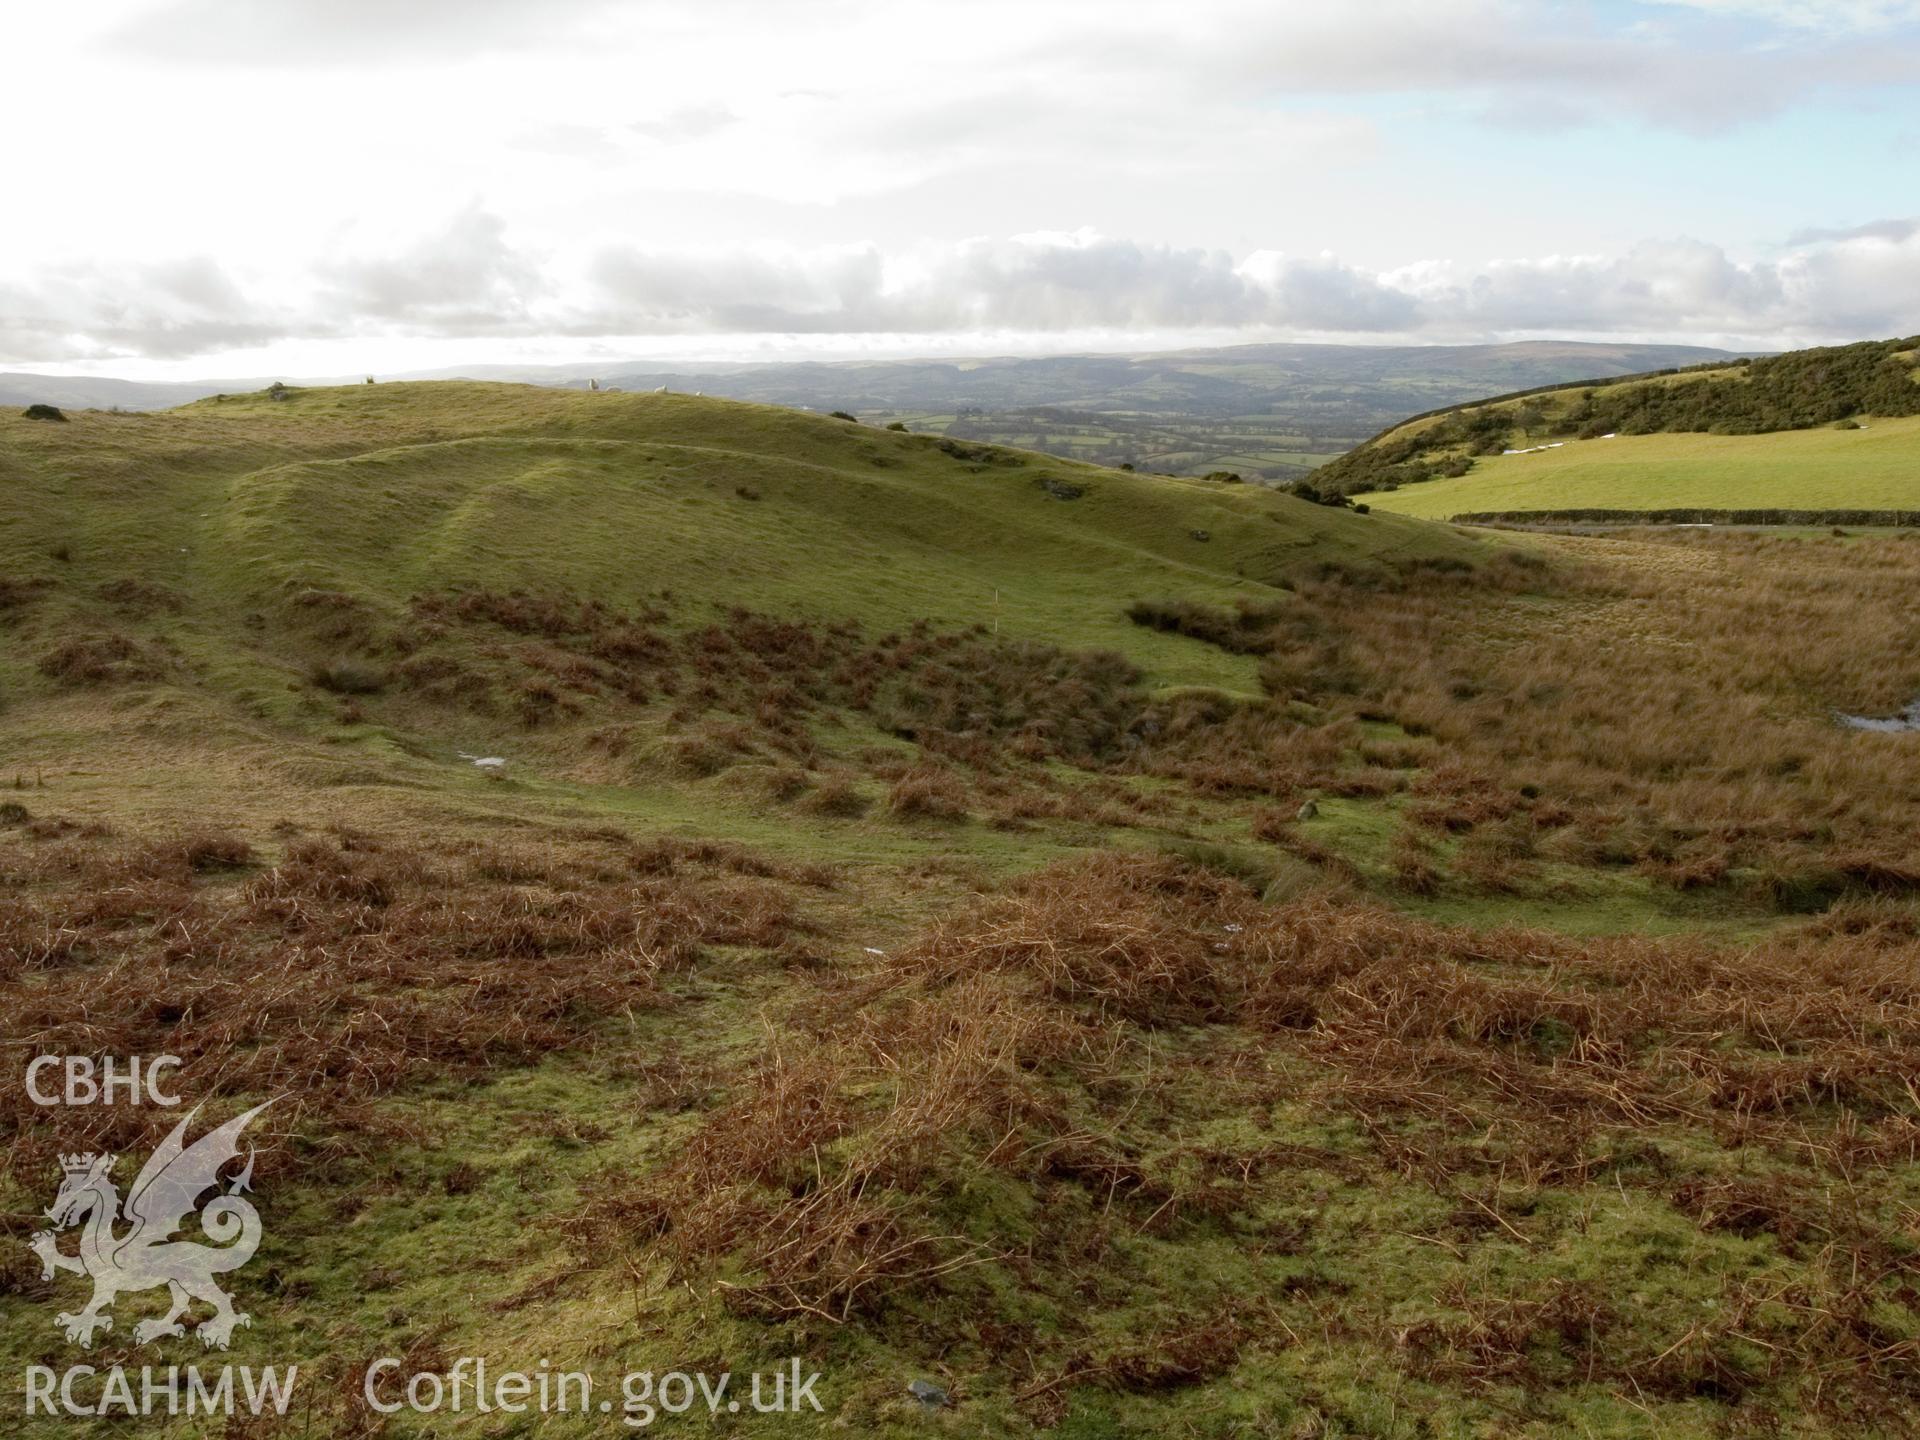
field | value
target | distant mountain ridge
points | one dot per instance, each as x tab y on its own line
87	392
1025	380
1222	380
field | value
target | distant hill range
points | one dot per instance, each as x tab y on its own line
1268	411
86	392
1800	390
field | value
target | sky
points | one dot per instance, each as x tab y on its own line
322	187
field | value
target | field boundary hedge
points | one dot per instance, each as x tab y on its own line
1688	517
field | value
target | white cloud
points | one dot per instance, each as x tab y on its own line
1894	231
181	307
1828	15
1678	287
294	33
467	280
1511	63
1322	294
1042	283
578	169
688	122
464	278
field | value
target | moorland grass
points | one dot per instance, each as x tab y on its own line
842	975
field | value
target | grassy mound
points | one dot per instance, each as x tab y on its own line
381	492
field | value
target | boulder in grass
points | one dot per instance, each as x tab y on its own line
928	1394
45	412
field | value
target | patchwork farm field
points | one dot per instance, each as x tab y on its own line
1875	467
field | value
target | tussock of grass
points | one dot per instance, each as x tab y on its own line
928	793
100	659
349	677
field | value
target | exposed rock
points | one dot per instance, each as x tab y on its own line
928	1394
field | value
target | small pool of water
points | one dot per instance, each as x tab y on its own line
1907	719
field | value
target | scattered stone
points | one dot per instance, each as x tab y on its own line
1201	534
1307	811
1907	719
928	1394
1061	489
45	412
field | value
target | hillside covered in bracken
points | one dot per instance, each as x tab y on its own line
703	884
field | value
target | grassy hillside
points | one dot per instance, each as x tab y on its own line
1875	467
1142	956
388	490
1797	391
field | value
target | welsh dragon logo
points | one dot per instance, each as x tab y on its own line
145	1254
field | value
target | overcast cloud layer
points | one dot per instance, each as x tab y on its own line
354	184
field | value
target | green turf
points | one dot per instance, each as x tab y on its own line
1876	467
387	490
